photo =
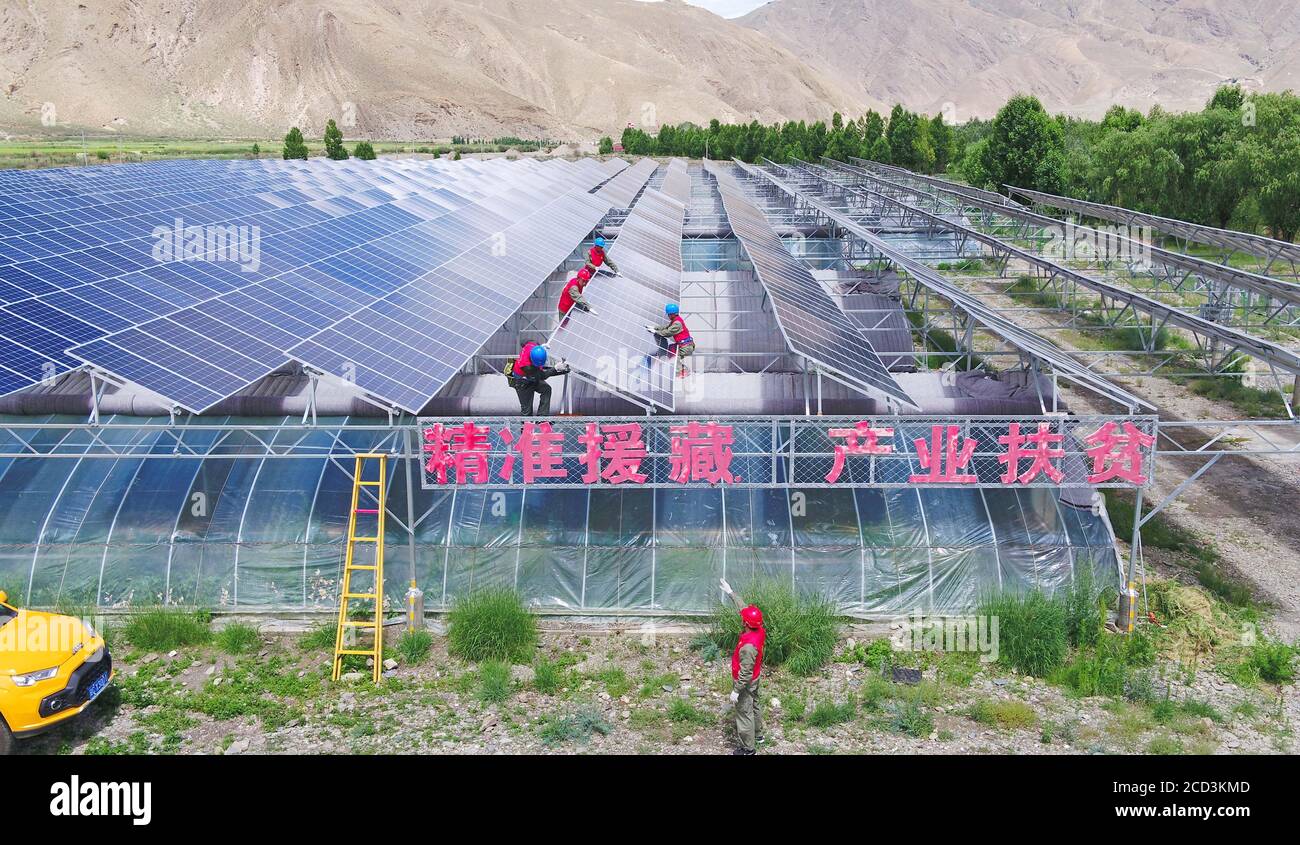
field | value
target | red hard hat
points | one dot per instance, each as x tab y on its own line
752	616
584	274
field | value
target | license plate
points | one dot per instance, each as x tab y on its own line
97	686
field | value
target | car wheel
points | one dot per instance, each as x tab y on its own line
6	739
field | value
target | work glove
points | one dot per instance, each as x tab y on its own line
735	696
726	588
649	328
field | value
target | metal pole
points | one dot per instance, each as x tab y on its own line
1128	598
410	500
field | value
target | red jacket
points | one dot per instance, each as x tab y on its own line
756	638
684	336
596	256
524	359
566	300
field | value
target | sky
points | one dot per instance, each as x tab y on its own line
726	8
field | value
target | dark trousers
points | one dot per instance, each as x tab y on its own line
543	391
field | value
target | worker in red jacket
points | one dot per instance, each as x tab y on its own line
571	296
528	373
596	257
746	666
680	342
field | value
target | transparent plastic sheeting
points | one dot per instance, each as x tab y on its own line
268	534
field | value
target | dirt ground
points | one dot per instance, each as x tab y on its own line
631	695
1245	507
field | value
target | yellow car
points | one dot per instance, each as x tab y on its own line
51	668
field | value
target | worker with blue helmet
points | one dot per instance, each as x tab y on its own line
680	342
596	257
528	373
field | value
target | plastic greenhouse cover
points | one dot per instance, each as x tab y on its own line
260	534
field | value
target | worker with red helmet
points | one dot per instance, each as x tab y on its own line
528	373
571	296
596	257
680	342
746	665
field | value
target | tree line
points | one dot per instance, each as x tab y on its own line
1234	164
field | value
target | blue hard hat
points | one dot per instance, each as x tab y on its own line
671	308
538	356
600	242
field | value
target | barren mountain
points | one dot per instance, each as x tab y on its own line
399	68
1078	56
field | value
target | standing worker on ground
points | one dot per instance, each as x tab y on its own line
528	375
678	336
746	664
596	257
571	296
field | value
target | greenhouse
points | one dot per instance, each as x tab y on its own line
262	533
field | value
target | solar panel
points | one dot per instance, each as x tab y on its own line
377	251
611	348
812	323
677	182
119	282
620	191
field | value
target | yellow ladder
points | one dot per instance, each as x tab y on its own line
376	594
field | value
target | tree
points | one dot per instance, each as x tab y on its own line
364	151
334	142
1279	180
1227	97
294	145
606	145
942	142
257	150
1025	148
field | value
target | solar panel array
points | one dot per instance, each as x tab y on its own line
987	316
677	182
82	274
611	347
813	324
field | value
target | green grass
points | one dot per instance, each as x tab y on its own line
654	684
681	710
319	637
802	628
494	684
167	628
548	676
1032	634
615	681
413	647
828	713
909	716
1269	661
491	625
238	638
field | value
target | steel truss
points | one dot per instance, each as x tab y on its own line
1219	349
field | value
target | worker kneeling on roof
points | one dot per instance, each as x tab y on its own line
596	257
528	375
746	665
571	296
678	336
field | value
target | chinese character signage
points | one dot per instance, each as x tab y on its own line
1048	451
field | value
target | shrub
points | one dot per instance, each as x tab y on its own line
1031	630
828	713
413	646
1275	661
491	625
319	637
801	627
706	648
166	628
546	676
1006	713
574	727
910	717
493	681
238	638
